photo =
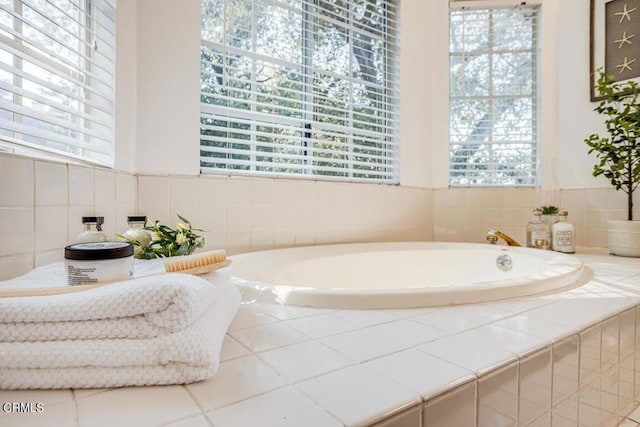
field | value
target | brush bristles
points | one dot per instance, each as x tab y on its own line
183	263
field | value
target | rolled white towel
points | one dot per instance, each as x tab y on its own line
142	307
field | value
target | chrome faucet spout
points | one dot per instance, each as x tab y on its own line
493	235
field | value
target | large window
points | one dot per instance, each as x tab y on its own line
56	77
493	96
300	88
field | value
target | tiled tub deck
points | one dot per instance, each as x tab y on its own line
567	359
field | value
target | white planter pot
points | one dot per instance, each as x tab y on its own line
624	238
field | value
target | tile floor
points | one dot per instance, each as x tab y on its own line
633	420
482	364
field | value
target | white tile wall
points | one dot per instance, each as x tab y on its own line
409	418
41	205
19	172
456	408
244	214
534	400
565	377
498	397
464	214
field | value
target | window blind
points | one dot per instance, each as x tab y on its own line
300	88
57	77
493	97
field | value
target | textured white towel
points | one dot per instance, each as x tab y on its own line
143	307
189	355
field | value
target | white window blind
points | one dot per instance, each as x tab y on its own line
57	77
493	96
300	88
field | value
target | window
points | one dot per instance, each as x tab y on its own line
56	77
493	96
299	88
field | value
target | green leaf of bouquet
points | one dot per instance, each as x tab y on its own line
183	219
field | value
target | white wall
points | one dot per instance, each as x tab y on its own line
168	83
126	96
415	105
576	118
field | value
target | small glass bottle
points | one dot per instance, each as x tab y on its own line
538	232
92	231
136	230
564	235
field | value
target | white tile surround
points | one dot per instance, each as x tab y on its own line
566	359
243	214
528	354
41	205
464	214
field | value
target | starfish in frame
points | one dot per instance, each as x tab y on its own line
626	65
626	39
625	13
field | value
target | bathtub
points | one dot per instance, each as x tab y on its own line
401	275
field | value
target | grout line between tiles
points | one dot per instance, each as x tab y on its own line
192	398
76	412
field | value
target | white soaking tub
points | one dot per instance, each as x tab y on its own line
401	275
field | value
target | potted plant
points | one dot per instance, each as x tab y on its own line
618	155
549	214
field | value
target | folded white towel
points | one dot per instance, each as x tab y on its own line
143	307
185	356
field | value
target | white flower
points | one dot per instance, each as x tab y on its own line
181	238
156	236
137	251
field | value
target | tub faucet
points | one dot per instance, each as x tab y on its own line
493	235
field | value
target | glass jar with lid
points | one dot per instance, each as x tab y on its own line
136	230
92	230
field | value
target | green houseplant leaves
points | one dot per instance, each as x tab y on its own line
618	154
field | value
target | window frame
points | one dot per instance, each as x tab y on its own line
306	125
535	145
87	120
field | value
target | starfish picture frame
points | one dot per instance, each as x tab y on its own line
614	41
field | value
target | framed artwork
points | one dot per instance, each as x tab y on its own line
614	41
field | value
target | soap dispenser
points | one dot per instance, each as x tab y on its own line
92	231
538	232
136	230
564	235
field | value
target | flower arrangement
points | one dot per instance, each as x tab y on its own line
166	241
549	210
